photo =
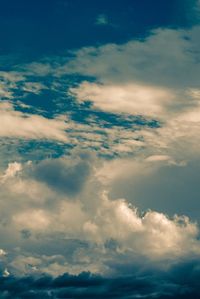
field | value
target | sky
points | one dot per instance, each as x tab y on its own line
99	149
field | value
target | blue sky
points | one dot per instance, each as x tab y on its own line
99	149
32	30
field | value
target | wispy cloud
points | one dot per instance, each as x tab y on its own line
16	124
102	20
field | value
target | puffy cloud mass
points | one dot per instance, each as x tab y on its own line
68	226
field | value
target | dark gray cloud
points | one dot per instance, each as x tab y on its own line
64	175
181	281
170	189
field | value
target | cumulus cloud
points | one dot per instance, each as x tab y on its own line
80	228
166	183
165	238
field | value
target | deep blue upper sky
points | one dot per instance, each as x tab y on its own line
32	29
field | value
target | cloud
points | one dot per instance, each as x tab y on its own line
5	93
9	83
2	252
102	20
64	175
165	183
12	170
32	219
16	124
118	221
181	281
79	222
165	58
151	77
34	87
148	78
132	98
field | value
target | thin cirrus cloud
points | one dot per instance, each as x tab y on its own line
102	20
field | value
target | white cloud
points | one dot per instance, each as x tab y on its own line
153	234
130	98
156	158
32	219
90	218
12	170
2	252
6	273
5	93
156	77
9	82
16	124
12	76
166	57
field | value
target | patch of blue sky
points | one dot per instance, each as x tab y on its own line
109	120
53	99
32	150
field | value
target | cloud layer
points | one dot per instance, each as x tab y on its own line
180	282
